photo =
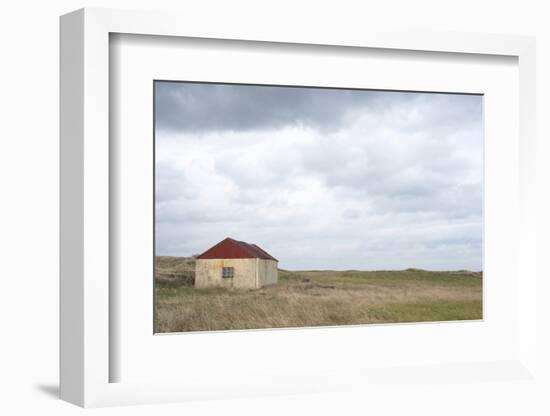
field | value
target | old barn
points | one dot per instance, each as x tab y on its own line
233	263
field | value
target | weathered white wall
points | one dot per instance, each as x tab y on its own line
248	273
267	272
208	273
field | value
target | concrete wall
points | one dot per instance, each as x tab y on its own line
267	272
248	273
208	273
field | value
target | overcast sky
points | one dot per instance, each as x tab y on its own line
321	178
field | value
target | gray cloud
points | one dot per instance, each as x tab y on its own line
171	183
322	178
199	107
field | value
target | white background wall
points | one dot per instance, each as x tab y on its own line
29	207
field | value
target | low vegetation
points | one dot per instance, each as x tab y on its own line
314	298
174	271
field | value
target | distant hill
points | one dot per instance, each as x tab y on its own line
177	270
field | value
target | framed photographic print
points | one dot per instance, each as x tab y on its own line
259	214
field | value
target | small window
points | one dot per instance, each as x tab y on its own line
227	272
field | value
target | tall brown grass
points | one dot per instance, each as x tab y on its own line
316	298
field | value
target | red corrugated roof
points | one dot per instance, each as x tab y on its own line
234	249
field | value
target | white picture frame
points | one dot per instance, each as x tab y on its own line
86	356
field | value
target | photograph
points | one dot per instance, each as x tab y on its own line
285	206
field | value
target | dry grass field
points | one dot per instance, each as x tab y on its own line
314	298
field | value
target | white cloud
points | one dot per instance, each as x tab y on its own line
394	184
